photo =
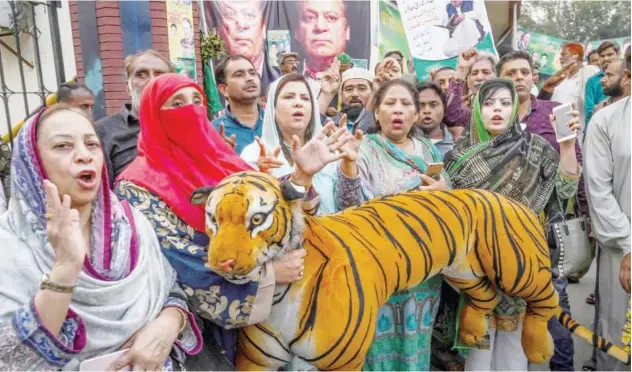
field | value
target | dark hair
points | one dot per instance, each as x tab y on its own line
608	44
432	86
220	69
627	57
392	52
492	86
274	43
66	90
512	56
58	107
591	53
379	96
129	61
536	65
289	78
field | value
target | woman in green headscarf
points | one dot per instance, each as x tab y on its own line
496	154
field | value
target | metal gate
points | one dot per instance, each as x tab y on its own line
31	59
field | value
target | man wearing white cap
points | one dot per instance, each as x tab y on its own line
288	62
356	89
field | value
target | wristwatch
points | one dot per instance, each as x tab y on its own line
52	286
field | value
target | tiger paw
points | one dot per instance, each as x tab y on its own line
536	340
473	326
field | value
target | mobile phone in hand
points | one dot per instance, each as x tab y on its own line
102	362
434	170
562	118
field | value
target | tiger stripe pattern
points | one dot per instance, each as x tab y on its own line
482	242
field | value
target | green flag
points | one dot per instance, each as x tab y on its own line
213	104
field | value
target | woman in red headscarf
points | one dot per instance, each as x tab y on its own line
178	152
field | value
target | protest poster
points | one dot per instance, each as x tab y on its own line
319	31
391	31
438	30
278	42
544	49
181	41
361	63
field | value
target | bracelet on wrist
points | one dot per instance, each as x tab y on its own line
184	319
48	284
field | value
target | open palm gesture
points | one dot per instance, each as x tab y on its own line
320	150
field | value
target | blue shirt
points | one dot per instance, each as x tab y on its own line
244	133
594	95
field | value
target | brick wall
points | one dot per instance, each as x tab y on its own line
112	58
111	46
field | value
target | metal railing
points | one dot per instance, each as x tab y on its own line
22	43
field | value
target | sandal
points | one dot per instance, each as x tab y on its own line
591	299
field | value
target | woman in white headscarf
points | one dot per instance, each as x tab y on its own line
291	110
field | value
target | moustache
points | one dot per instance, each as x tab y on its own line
251	85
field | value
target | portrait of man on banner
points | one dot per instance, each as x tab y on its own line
319	30
323	32
241	24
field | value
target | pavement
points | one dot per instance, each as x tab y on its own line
583	313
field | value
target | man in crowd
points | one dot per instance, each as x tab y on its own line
593	58
76	95
443	76
536	78
356	88
534	118
430	124
240	23
473	69
398	56
608	51
323	33
288	63
612	83
237	80
607	171
119	132
572	88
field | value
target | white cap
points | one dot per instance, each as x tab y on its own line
357	73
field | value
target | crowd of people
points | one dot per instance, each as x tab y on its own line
103	251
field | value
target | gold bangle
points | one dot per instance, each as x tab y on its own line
52	286
184	319
293	180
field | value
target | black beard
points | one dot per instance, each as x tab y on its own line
614	91
352	112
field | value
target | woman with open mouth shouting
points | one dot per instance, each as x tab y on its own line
82	274
385	163
495	154
292	110
179	151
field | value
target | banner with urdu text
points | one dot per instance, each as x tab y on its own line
438	30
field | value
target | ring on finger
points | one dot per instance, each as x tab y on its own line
48	216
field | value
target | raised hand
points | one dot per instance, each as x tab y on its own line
350	148
268	160
551	83
63	230
466	61
330	79
320	150
574	124
232	140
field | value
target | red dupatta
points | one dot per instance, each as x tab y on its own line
179	150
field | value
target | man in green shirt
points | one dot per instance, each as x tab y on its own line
608	52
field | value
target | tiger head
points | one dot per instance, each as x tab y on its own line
251	218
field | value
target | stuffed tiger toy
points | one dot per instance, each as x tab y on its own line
356	259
